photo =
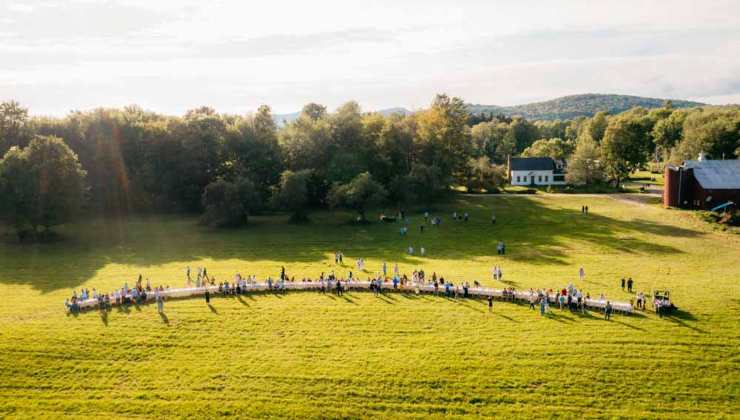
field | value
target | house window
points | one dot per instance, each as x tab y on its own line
525	178
547	178
558	178
539	178
517	178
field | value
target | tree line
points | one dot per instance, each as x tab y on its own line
227	167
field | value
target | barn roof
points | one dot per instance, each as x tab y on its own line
532	164
716	174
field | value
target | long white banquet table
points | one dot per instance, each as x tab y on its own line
480	292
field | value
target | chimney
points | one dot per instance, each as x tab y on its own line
508	166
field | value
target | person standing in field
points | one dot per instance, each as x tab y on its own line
608	310
532	299
490	303
629	284
160	301
543	304
623	281
208	296
581	273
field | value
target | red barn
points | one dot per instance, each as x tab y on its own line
702	184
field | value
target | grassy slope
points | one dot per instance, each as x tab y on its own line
310	355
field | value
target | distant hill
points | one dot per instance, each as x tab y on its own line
569	107
281	119
564	108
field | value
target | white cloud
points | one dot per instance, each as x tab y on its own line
171	56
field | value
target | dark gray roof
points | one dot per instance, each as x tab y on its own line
716	174
532	164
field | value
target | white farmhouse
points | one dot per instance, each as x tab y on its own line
535	171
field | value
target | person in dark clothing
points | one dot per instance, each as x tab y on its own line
208	296
608	310
490	303
623	283
629	284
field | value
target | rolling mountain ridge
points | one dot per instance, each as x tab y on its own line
564	108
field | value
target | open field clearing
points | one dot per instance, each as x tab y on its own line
305	354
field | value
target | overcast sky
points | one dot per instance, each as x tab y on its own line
56	56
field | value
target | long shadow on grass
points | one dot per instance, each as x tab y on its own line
679	317
533	232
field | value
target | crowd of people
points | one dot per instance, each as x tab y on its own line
124	296
568	298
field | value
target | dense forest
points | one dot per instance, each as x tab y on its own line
118	161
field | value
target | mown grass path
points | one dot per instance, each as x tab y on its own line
307	354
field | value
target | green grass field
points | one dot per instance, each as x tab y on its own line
305	354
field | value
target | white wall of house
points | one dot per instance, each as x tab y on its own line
539	177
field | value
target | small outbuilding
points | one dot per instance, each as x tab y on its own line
536	171
702	183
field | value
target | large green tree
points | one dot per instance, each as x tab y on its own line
292	194
484	175
596	126
252	150
667	132
443	136
359	194
557	149
42	185
228	204
584	166
14	126
492	139
625	146
712	131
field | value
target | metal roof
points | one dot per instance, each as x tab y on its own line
716	174
532	164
